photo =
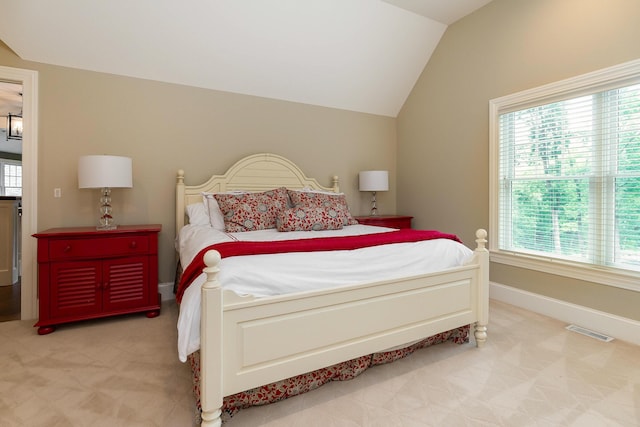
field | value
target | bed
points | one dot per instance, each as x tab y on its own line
246	341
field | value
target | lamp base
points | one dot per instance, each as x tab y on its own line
374	208
106	227
106	220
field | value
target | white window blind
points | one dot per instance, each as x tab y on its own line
11	178
567	174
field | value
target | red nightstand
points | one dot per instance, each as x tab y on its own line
84	273
392	221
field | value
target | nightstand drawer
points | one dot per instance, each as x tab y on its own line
97	247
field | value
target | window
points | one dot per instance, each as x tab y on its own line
10	178
565	171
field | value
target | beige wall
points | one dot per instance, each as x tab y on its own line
443	148
164	127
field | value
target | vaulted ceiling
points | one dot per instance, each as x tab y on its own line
359	55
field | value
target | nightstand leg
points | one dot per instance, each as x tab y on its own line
44	330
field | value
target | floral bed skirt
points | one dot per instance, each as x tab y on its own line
306	382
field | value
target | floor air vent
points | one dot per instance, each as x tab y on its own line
590	333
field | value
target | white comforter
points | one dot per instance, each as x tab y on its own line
276	274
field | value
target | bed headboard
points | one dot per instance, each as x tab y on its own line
258	172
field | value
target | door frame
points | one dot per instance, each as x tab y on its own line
28	286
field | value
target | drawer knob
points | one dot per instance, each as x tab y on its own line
133	244
67	248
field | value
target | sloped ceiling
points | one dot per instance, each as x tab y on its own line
359	55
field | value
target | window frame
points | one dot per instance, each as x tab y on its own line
623	74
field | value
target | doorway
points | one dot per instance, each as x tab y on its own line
26	247
10	198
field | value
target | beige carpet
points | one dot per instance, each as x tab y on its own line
125	372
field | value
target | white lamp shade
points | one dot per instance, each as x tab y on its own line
104	172
374	181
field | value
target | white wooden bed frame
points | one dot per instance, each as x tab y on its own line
247	342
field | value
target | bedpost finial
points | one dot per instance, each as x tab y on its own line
212	258
181	175
481	238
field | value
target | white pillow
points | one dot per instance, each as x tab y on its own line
197	214
313	190
213	212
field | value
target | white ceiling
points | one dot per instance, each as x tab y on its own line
359	55
10	100
10	103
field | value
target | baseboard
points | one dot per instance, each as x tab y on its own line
618	327
166	291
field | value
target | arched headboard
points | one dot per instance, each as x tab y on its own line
258	172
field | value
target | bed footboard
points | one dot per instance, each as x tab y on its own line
247	342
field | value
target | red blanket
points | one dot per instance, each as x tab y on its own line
228	249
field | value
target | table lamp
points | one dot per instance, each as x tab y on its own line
105	172
374	181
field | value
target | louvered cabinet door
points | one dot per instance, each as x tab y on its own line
76	289
84	273
125	283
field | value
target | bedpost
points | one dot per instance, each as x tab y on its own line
482	255
180	201
334	184
211	343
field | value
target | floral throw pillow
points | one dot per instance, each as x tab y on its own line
251	211
331	202
309	219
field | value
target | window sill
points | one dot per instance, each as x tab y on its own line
610	276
